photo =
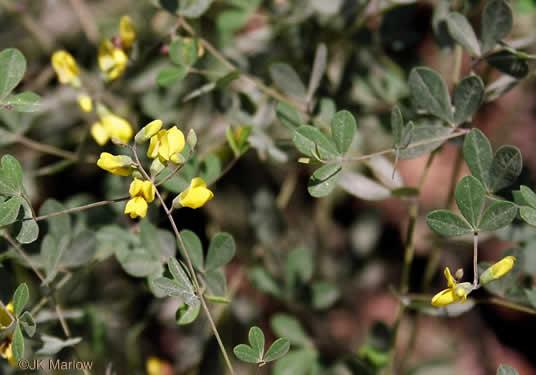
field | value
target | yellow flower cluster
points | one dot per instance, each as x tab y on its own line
6	346
142	193
112	56
111	126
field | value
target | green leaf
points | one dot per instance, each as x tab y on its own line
324	180
528	195
264	281
216	282
168	76
9	210
462	32
178	273
18	343
59	225
170	287
28	323
478	155
29	230
285	325
52	250
286	78
528	214
210	168
52	345
343	129
288	115
402	134
23	102
319	68
299	266
183	51
10	176
12	68
278	349
246	353
448	223
423	140
256	340
193	8
194	248
137	262
20	298
531	296
187	314
81	251
221	250
309	140
509	63
362	187
498	215
324	294
497	21
470	199
150	239
297	362
506	370
468	96
505	168
224	81
429	91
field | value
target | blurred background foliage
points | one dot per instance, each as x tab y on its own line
317	271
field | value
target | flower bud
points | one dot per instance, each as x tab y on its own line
498	270
120	165
156	167
191	139
148	131
85	102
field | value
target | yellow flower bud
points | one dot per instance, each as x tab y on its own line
66	68
117	127
498	270
195	196
136	207
148	131
85	102
145	189
99	134
127	33
120	165
112	60
156	366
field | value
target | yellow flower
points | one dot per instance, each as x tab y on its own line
6	351
112	60
166	144
127	33
85	102
195	196
145	189
454	293
157	366
135	207
111	126
5	319
498	270
148	131
115	164
66	68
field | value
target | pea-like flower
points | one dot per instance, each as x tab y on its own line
127	32
148	131
120	165
453	293
142	192
66	68
85	102
166	145
136	207
112	60
195	196
5	319
111	126
498	270
6	346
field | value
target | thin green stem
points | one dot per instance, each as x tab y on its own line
21	251
80	208
189	264
51	150
475	260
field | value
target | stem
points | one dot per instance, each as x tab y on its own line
456	71
189	264
81	208
24	255
51	150
475	260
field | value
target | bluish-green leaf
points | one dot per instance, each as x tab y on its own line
137	262
498	215
478	155
286	78
298	362
18	343
285	325
193	8
309	139
324	180
194	248
447	223
423	140
9	210
23	102
262	280
183	51
509	63
187	314
429	91
20	298
12	68
278	349
178	273
506	370
470	199
246	354
52	250
288	115
216	282
461	30
81	251
343	129
210	168
497	21
256	340
528	195
59	225
221	250
10	176
324	294
28	230
528	214
468	96
505	168
168	76
299	266
28	324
